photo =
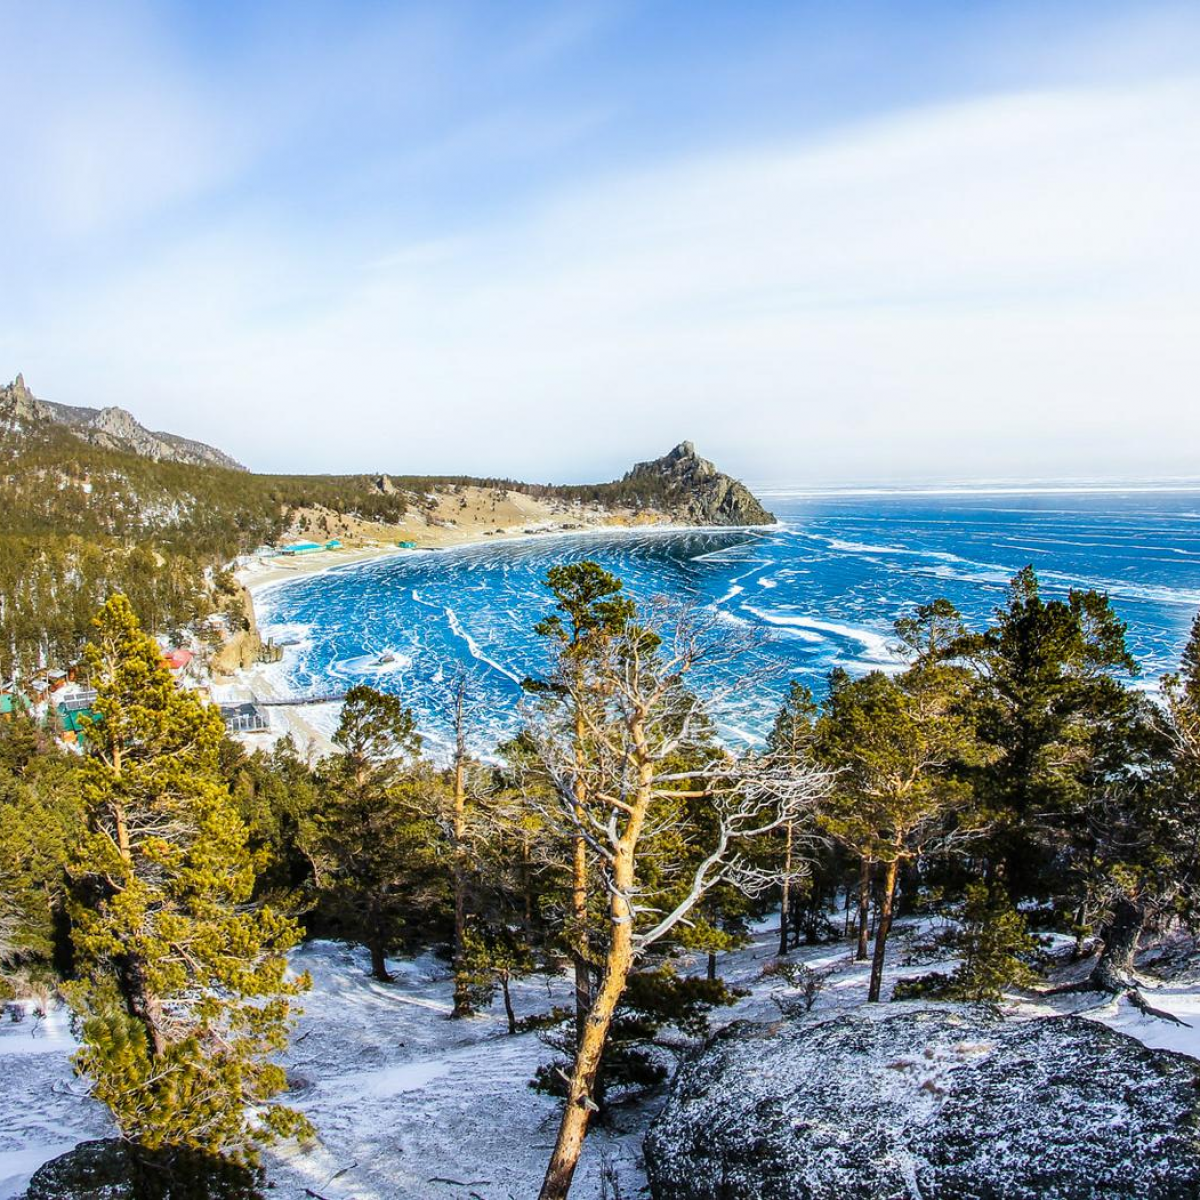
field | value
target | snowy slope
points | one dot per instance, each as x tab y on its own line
409	1104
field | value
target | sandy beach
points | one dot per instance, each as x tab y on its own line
462	517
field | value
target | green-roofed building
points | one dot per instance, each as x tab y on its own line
76	715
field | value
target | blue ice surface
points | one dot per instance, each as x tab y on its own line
823	588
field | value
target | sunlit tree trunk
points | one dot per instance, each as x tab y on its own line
618	962
883	928
462	988
864	908
579	886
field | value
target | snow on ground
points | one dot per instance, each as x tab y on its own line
409	1104
44	1109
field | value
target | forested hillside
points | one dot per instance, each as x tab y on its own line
79	521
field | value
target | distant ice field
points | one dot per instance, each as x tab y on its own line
824	587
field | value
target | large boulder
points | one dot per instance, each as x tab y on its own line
113	1169
936	1102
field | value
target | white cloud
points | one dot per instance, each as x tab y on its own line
1002	286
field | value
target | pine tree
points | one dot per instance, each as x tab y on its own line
995	944
790	743
278	797
646	736
932	633
900	745
376	841
40	822
184	993
1047	682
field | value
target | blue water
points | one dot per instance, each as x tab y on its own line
824	588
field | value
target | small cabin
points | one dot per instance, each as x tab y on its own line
76	715
407	545
245	718
178	660
333	544
302	548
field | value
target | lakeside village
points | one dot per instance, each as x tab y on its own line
61	699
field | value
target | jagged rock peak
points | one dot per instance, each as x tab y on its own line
113	428
699	494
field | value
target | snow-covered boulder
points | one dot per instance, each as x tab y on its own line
109	1169
910	1100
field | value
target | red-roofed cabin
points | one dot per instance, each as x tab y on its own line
177	660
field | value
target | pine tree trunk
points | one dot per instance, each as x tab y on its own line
139	1003
580	1103
508	1006
712	967
864	908
884	927
378	959
526	882
579	882
1113	971
462	984
131	969
785	891
618	961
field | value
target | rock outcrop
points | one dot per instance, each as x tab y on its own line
112	1169
112	428
945	1101
694	492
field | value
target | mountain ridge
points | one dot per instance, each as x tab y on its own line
114	429
680	486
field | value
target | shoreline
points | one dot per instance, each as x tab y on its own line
323	561
257	682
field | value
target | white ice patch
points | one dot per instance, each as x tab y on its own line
473	646
878	648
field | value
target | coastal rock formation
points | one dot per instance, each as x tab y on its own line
949	1101
694	492
111	428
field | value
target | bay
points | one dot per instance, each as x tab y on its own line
823	588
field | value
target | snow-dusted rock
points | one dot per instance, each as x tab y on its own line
941	1102
108	1169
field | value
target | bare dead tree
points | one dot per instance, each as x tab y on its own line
640	721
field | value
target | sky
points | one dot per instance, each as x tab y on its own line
840	242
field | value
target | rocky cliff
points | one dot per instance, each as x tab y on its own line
949	1101
111	428
695	492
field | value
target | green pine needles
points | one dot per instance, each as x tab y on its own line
183	994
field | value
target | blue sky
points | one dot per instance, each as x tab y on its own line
827	242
